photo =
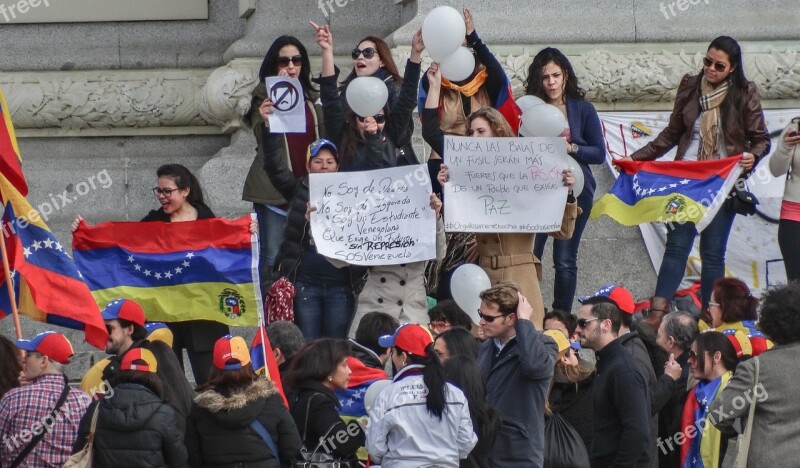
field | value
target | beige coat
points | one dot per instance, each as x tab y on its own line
508	257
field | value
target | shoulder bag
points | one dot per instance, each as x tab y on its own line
316	458
85	458
744	440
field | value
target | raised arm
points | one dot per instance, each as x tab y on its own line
496	76
399	125
431	131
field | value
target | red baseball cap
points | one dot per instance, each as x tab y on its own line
409	337
231	348
139	359
51	344
125	309
617	294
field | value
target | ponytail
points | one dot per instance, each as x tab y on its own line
435	381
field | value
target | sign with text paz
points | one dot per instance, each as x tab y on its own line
380	217
504	184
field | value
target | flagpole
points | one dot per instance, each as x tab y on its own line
10	285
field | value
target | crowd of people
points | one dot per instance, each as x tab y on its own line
618	384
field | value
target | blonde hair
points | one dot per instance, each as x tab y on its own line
498	123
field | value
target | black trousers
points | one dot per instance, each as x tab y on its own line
789	242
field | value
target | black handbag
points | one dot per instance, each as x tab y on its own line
316	458
563	447
741	201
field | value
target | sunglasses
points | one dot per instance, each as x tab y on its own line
368	52
297	60
583	322
692	354
379	118
489	318
718	66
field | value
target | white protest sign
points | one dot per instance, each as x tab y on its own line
504	184
288	105
380	217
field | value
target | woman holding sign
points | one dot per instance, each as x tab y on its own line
551	78
717	114
286	57
504	256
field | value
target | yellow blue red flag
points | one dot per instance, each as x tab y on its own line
669	192
195	270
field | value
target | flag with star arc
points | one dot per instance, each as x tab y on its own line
194	270
674	191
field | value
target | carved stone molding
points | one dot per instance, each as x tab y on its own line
181	102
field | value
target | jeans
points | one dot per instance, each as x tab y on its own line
713	242
789	242
323	311
565	257
270	237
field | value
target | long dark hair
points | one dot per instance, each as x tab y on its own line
460	342
733	103
228	382
183	178
533	84
434	378
269	67
385	54
9	373
316	361
351	136
465	373
711	342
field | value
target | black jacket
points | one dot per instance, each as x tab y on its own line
135	428
318	417
573	401
218	432
621	435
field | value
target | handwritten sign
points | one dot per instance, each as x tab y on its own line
380	217
504	184
288	105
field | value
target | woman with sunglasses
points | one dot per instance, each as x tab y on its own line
552	79
717	114
344	127
495	250
783	162
712	360
286	57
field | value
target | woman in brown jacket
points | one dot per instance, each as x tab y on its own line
717	114
503	256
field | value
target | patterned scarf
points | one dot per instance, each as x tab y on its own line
468	89
710	119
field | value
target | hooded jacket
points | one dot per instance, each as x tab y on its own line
135	428
218	432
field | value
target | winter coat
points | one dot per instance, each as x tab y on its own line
135	428
257	186
517	381
573	401
218	432
314	409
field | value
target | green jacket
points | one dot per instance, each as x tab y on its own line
257	187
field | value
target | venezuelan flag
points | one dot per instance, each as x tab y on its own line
47	284
263	360
703	446
10	160
195	270
677	191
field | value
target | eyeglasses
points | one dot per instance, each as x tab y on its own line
433	326
718	66
368	52
713	304
379	118
583	322
283	62
489	318
692	354
166	192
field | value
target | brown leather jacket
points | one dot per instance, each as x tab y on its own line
748	132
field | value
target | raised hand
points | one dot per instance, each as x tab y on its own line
468	21
74	226
672	368
417	46
324	37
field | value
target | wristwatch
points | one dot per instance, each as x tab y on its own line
573	148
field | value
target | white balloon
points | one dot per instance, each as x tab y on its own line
443	32
544	120
578	173
528	101
458	66
372	392
466	284
367	95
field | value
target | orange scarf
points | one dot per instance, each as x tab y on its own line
471	88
